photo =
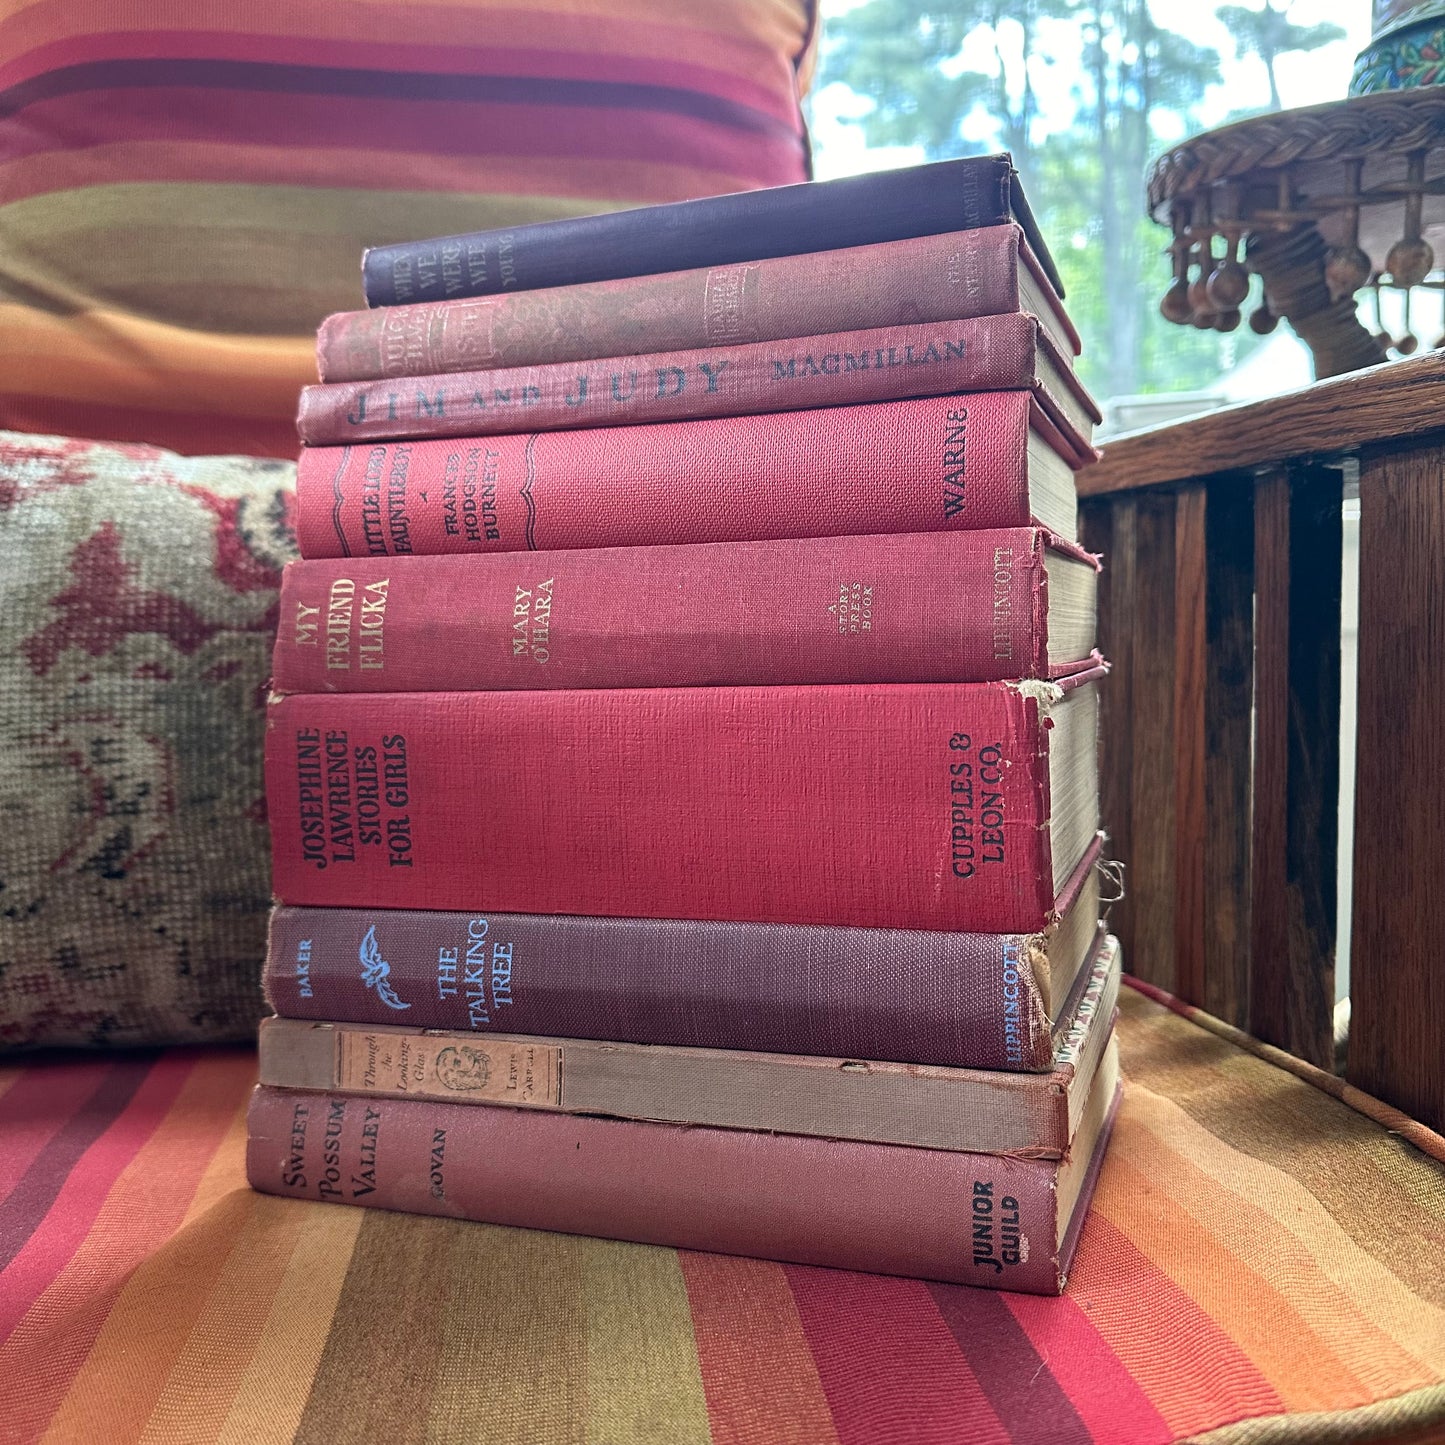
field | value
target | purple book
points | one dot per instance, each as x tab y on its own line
966	1000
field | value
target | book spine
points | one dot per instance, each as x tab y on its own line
897	806
962	1109
951	999
918	607
898	283
956	463
723	1190
711	231
987	353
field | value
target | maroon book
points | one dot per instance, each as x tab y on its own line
952	806
917	607
985	353
895	283
952	463
981	1219
966	1000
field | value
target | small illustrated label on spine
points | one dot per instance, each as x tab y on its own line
431	1066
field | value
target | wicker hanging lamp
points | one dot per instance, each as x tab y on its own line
1320	203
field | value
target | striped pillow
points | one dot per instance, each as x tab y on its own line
186	186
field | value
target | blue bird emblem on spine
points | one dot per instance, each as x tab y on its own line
376	971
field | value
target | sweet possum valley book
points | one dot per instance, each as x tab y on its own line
917	607
987	272
982	1219
971	1109
979	1000
957	806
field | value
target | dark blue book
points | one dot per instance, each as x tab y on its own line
958	195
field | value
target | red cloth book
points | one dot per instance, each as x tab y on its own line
955	463
985	353
917	607
961	807
895	283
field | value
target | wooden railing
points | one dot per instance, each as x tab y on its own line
1220	609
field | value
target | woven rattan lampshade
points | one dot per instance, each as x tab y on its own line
1319	202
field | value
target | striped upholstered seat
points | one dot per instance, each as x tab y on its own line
1261	1259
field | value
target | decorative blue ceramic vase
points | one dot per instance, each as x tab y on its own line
1407	48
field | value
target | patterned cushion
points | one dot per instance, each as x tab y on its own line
186	186
139	595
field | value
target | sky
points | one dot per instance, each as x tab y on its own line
1321	75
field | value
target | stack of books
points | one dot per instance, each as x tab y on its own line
683	765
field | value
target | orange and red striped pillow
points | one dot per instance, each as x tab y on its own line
186	186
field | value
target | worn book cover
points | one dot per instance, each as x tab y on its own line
984	1219
952	463
983	353
954	195
916	607
894	283
961	806
981	1000
980	1110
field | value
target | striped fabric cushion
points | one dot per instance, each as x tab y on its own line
1261	1264
186	186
